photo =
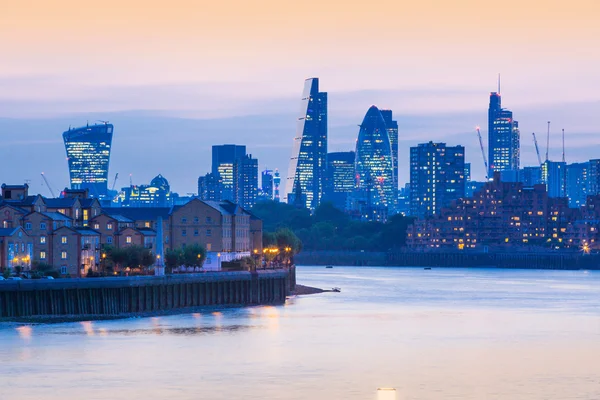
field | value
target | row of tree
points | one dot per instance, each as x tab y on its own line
329	228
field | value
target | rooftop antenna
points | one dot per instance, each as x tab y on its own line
498	83
548	141
563	143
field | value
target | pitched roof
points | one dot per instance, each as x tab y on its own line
218	205
88	202
56	216
147	231
60	202
86	231
7	231
14	207
120	218
138	213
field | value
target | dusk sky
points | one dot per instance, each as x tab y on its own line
177	77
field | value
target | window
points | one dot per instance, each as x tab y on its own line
208	220
208	260
147	224
63	239
42	239
128	239
43	226
183	232
28	226
63	270
208	232
184	220
109	239
42	255
196	220
96	226
63	255
109	226
195	232
208	246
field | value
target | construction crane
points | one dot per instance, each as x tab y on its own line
548	141
115	182
537	149
48	185
563	144
483	154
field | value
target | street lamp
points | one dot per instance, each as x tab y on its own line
103	263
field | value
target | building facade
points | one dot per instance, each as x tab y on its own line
554	176
266	181
309	151
210	187
88	154
224	158
245	173
392	130
340	180
437	177
503	137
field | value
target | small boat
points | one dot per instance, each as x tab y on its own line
329	266
427	268
336	289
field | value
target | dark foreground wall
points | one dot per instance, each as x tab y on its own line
120	296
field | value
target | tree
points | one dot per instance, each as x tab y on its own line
194	255
147	258
117	256
286	238
134	256
173	258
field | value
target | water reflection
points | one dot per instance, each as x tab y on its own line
25	332
88	328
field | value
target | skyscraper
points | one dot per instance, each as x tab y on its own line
554	176
577	183
309	153
276	183
267	184
392	130
340	180
88	155
210	187
245	172
437	177
503	137
223	161
374	164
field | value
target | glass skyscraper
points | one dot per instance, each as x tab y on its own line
224	158
374	164
88	155
503	137
340	181
392	130
309	153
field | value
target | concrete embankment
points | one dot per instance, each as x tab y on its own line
113	297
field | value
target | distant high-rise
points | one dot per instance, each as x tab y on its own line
309	153
340	180
594	177
437	177
88	154
392	130
223	160
156	194
577	184
554	176
267	184
530	176
374	164
276	183
210	187
503	137
245	173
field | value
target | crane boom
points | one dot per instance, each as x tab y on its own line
563	144
115	181
485	162
48	185
537	149
548	141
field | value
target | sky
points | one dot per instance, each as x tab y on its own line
177	77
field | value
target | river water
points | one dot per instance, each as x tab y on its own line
440	334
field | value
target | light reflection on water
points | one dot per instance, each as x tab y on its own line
440	334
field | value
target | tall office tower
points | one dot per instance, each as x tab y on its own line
530	176
210	187
594	177
437	177
404	200
267	184
245	171
374	164
88	155
577	183
392	130
554	176
276	183
340	181
503	137
309	153
223	159
467	176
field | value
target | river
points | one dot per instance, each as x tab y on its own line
432	334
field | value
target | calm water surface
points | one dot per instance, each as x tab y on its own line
440	334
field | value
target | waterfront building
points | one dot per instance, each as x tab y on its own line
309	152
267	184
340	181
437	177
246	181
503	137
554	174
88	155
374	164
392	130
276	184
224	158
210	187
16	248
577	184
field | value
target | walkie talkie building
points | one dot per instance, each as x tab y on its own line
88	154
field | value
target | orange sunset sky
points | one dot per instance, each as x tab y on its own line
216	59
